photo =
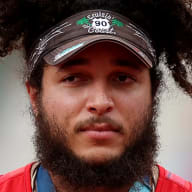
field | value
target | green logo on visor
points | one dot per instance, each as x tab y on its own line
100	22
83	21
117	23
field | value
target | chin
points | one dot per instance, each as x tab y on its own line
100	155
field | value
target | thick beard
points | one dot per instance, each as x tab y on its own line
135	163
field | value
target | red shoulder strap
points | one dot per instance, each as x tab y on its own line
17	181
169	182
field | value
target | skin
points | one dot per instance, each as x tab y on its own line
104	80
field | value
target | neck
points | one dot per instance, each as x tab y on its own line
66	187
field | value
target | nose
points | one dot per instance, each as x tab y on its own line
99	103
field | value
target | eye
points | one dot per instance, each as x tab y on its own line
75	79
123	78
71	78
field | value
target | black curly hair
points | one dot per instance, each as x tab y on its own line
168	23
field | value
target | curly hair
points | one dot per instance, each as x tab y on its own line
168	23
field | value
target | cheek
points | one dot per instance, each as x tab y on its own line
61	104
132	104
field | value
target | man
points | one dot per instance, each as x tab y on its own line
93	79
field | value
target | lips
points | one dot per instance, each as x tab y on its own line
100	132
100	127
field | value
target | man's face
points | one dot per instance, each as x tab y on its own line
97	99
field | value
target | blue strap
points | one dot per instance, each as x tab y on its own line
139	188
44	183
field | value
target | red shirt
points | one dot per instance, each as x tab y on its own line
20	181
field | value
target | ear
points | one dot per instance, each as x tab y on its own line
33	96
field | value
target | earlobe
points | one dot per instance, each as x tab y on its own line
33	96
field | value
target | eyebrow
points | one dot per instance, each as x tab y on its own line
83	61
129	63
72	62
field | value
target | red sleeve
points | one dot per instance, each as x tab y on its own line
17	181
169	182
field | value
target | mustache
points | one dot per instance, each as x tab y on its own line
98	120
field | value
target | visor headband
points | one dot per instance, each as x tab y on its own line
85	28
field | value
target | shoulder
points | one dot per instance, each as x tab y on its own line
17	181
169	182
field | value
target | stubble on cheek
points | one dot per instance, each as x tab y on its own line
135	123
